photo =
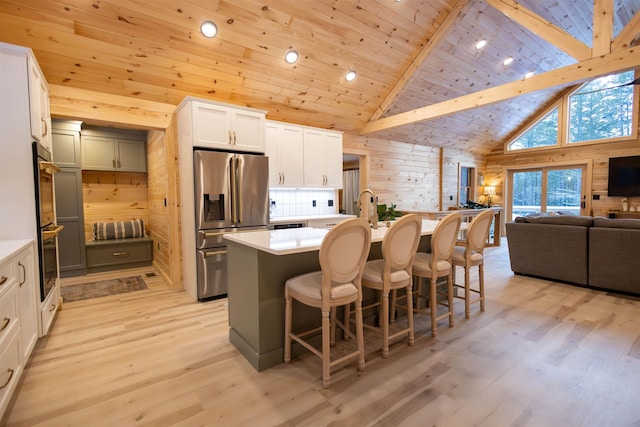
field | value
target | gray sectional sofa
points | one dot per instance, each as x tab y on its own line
596	252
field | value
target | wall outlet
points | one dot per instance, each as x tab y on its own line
330	202
313	203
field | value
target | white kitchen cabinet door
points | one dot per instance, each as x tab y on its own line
322	159
29	300
216	126
284	147
39	105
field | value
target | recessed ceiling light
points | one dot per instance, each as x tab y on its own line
508	61
291	56
529	74
208	29
350	75
480	44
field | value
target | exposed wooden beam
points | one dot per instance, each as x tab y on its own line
104	108
433	42
543	28
621	60
602	27
629	34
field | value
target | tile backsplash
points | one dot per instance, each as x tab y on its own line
302	202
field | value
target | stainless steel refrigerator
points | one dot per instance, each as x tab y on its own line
231	195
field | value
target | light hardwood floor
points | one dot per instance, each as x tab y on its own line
543	354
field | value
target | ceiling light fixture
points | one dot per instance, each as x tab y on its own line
208	29
291	56
350	75
480	44
508	61
529	74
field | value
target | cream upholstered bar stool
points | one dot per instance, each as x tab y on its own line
343	253
393	272
435	265
469	253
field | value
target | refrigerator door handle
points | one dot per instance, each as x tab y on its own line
234	190
240	172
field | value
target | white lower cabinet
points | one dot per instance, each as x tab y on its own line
18	313
28	291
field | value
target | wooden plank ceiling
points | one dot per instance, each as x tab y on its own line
408	54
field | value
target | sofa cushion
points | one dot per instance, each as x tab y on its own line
584	221
616	223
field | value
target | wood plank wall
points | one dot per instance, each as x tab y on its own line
599	154
156	198
408	175
113	196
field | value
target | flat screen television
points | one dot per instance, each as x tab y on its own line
624	176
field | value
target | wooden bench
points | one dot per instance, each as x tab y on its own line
108	255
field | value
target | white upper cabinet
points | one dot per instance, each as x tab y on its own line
39	104
284	147
225	127
322	158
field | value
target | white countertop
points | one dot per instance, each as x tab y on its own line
303	218
10	247
297	240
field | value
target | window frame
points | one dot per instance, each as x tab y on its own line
562	103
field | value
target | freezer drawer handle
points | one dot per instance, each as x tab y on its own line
5	323
213	234
120	254
10	372
214	253
3	280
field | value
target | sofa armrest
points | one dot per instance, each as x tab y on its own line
557	252
613	259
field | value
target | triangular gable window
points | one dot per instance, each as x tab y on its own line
543	133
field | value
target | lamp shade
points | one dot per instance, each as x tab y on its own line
489	190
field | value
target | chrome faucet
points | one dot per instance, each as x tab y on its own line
368	205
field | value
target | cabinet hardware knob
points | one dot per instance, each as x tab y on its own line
5	323
120	254
45	128
118	163
113	163
53	307
10	372
3	280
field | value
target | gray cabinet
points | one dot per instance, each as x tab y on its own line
68	194
117	150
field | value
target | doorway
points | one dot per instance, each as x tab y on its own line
355	169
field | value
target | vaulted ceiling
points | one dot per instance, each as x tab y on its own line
420	78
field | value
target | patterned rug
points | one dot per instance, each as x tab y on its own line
102	288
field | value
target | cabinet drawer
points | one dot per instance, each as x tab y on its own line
10	370
7	276
119	253
9	312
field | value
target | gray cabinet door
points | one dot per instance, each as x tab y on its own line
132	156
98	153
69	208
66	149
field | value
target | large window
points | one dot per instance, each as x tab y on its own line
543	134
602	109
548	189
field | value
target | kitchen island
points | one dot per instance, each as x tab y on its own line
258	265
